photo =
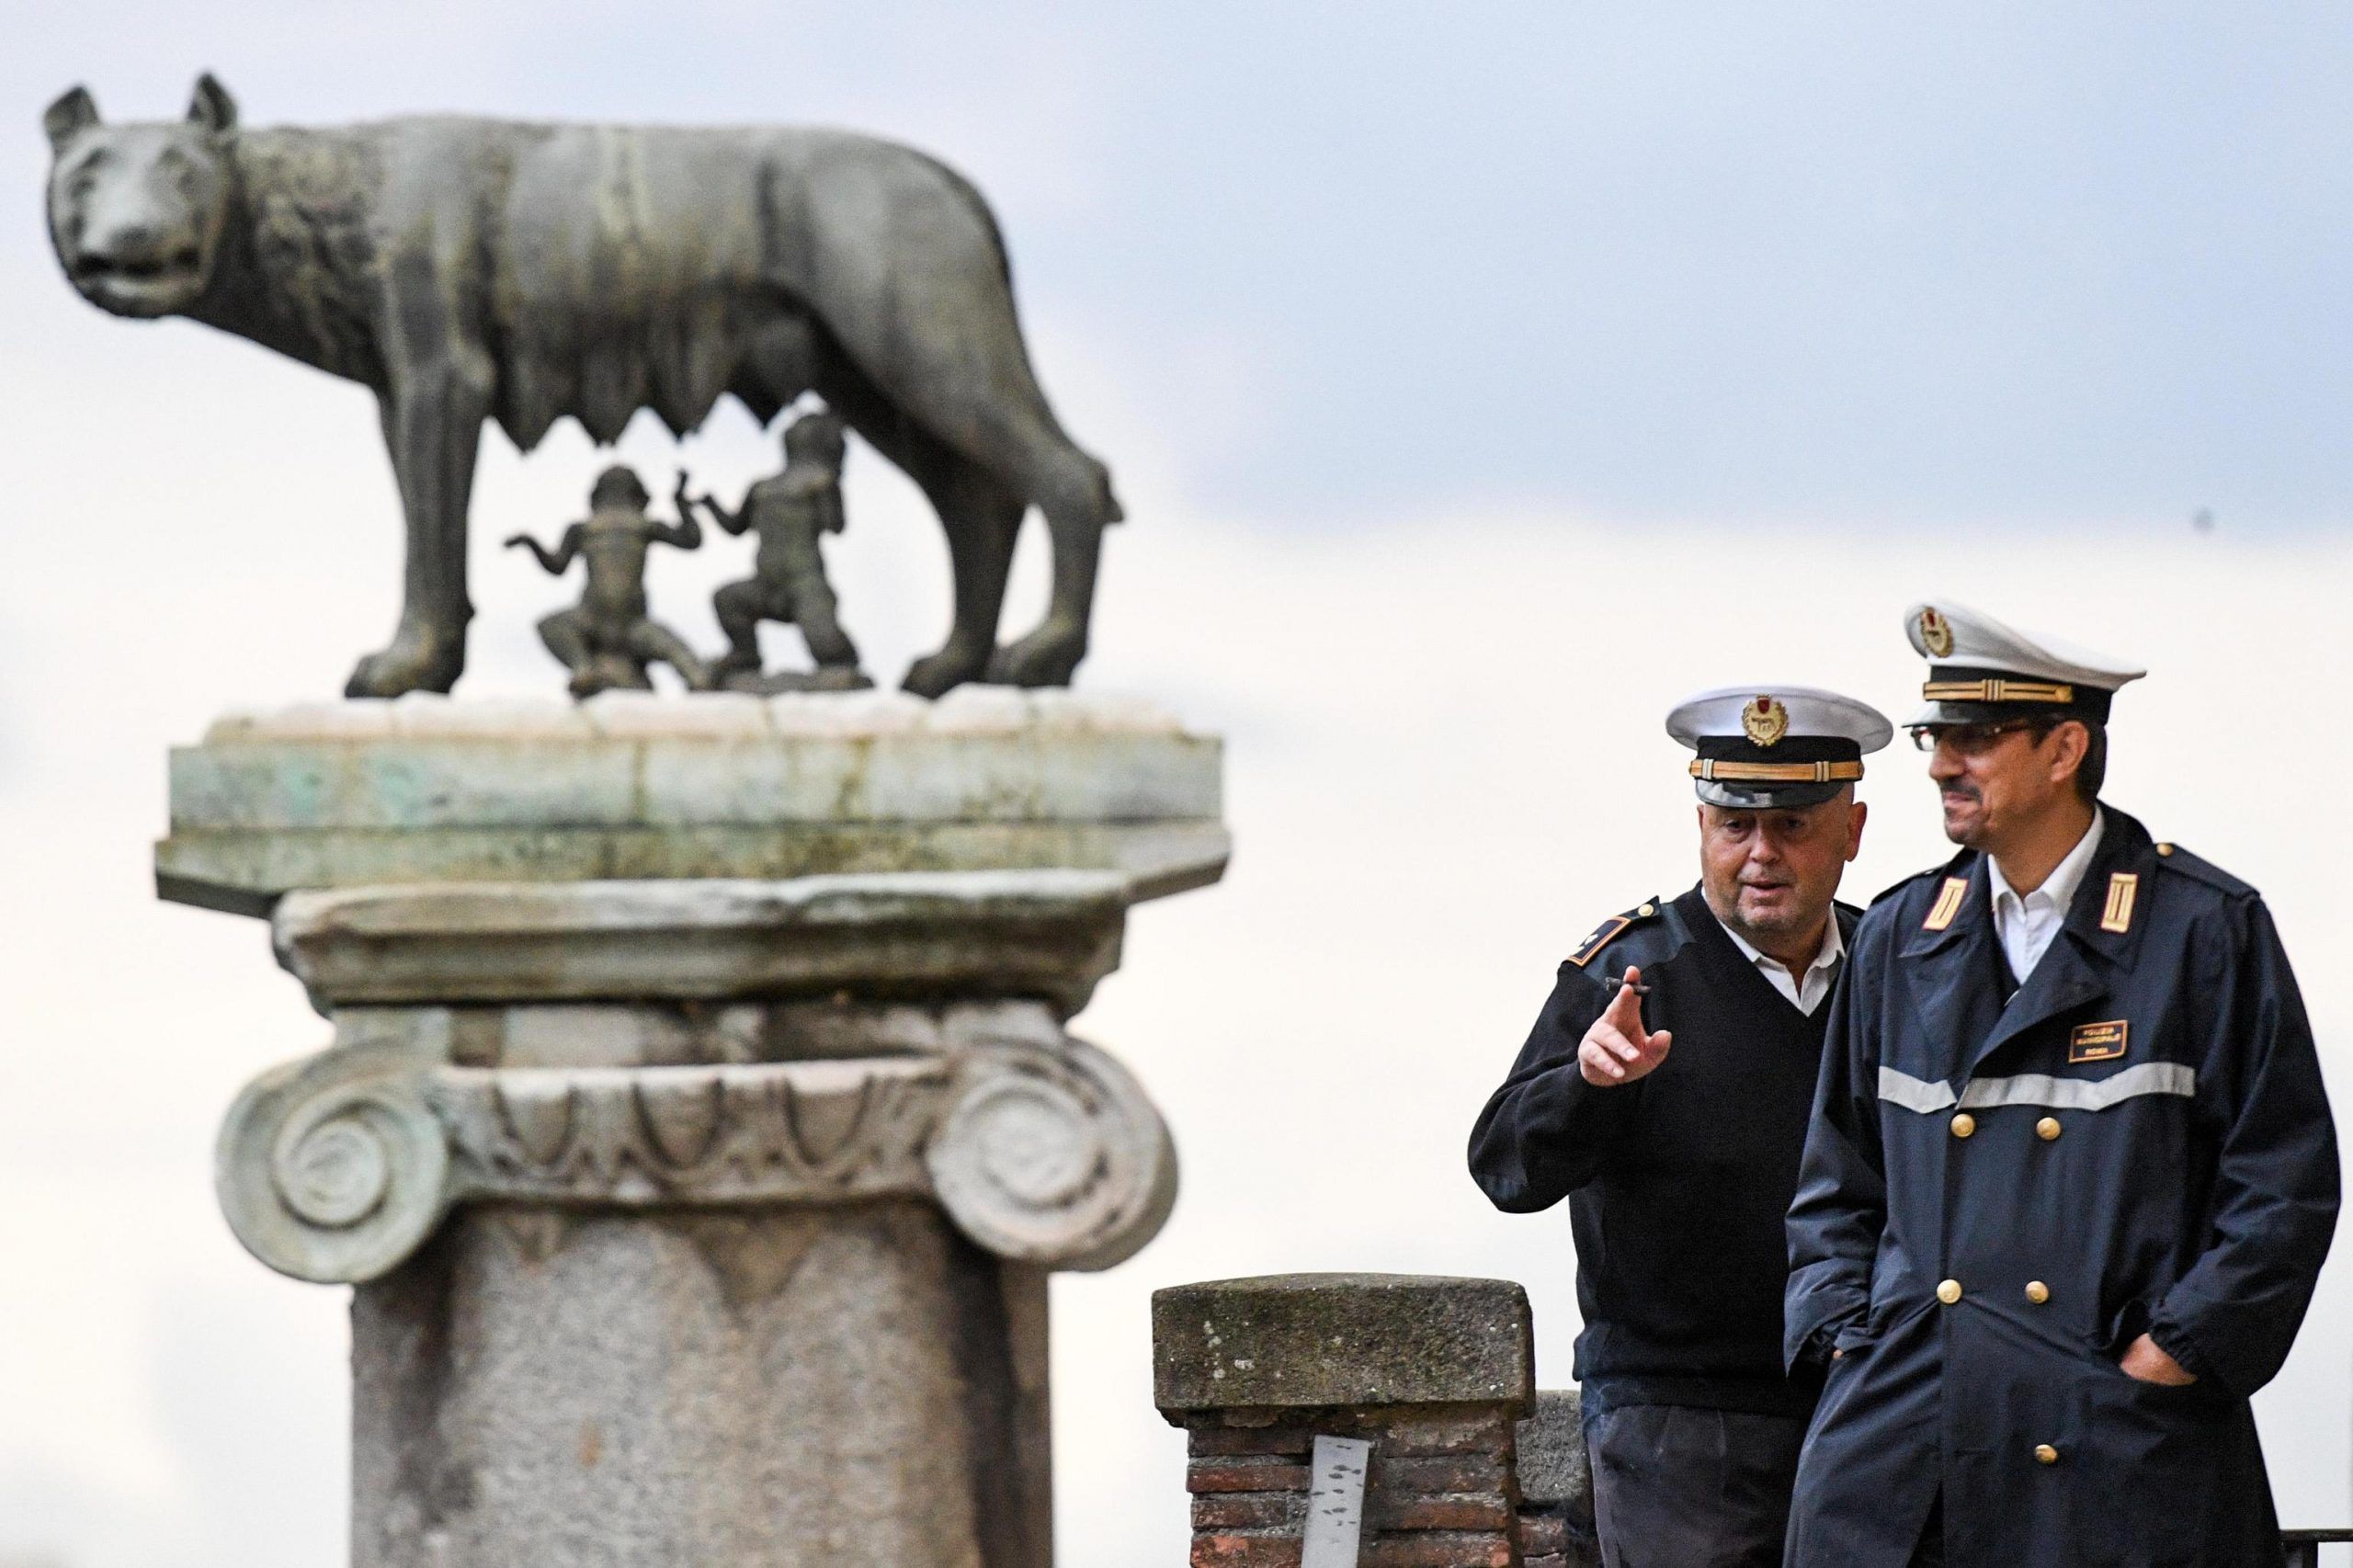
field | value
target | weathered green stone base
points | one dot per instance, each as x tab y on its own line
630	786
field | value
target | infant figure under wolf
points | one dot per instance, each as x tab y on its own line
790	512
608	640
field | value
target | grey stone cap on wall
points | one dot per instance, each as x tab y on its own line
633	785
1292	1340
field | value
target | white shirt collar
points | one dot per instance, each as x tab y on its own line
2058	888
1805	993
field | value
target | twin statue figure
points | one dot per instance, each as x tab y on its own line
610	640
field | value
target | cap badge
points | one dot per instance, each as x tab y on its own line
1936	633
1765	721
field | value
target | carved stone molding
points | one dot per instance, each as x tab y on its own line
334	1168
1043	1150
806	1131
1053	1156
1050	934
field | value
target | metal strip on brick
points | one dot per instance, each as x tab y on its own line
1335	1502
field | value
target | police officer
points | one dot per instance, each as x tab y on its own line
2071	1174
1679	1166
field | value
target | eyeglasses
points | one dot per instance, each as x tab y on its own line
1969	740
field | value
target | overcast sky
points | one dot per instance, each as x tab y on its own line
1479	379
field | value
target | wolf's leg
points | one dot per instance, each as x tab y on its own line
982	518
1049	655
998	422
432	419
977	511
926	256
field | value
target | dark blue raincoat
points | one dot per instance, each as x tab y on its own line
2137	1142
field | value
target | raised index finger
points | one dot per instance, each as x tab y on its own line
1625	1014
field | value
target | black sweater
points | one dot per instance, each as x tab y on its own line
1679	1182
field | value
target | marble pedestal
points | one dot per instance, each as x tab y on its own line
699	1214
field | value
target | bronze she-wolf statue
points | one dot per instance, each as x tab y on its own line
470	269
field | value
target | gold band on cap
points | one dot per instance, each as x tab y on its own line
1997	691
1775	772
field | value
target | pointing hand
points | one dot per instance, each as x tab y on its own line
1617	1049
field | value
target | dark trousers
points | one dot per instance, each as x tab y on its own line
1682	1487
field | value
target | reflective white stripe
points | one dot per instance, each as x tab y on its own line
1914	1094
2082	1094
2040	1089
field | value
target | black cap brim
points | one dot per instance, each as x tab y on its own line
1764	797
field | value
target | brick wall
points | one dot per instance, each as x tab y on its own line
1434	1373
1439	1491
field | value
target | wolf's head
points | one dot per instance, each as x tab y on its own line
136	210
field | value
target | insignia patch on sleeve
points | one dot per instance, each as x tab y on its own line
2123	889
1948	904
2097	1042
1599	940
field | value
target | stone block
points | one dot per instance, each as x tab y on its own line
431	713
616	714
1553	1464
1556	1526
1051	934
1339	1340
634	785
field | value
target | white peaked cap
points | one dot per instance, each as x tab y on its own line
1813	714
1973	638
1980	669
1768	746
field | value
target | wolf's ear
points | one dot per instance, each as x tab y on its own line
74	110
212	107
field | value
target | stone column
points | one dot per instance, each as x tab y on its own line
700	1125
1433	1372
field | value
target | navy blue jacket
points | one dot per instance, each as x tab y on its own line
2137	1142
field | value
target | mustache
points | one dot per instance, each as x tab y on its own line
1965	789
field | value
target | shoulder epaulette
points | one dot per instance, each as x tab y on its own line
2173	858
1611	929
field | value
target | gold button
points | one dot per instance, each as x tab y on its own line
1948	1292
2165	848
1963	1125
2045	1454
2047	1129
1647	911
2037	1291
